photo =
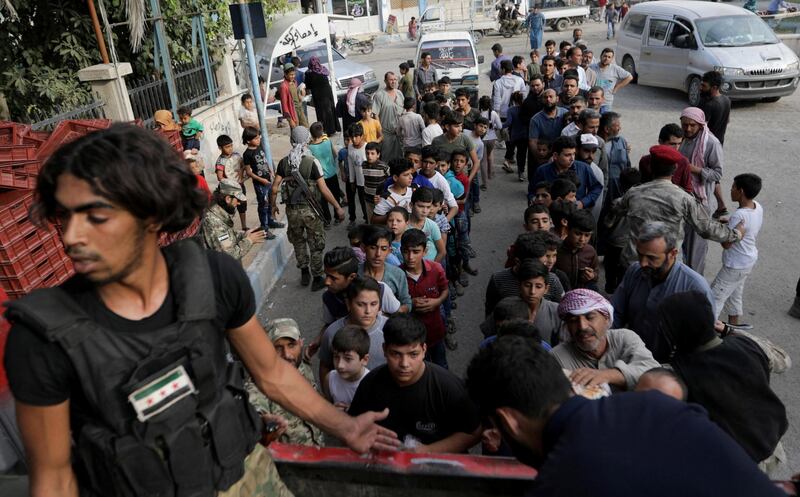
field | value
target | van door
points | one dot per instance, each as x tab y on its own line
661	62
652	70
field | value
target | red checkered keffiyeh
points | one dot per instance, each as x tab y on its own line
583	301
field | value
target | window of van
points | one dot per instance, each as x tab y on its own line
658	32
734	31
449	53
635	23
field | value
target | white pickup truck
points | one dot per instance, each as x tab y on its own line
480	18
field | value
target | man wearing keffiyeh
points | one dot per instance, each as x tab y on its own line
594	353
704	153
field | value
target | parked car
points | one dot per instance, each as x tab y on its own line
671	43
453	55
343	69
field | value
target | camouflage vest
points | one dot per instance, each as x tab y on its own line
290	191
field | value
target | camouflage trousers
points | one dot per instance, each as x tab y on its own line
307	234
261	478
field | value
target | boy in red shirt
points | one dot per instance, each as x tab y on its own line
428	287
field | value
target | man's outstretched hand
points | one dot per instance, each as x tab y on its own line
365	434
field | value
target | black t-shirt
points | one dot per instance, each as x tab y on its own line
40	372
430	410
718	113
257	161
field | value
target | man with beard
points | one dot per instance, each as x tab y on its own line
610	77
424	75
717	108
595	99
285	336
586	63
546	125
576	106
616	150
589	124
596	354
704	153
550	77
140	340
533	102
729	375
387	103
646	283
619	446
569	88
660	200
217	227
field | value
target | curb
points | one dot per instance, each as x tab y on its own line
268	265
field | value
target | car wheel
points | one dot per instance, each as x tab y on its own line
693	91
562	24
770	100
630	66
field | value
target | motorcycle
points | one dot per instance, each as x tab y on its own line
353	45
507	32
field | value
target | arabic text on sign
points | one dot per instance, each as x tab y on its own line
295	35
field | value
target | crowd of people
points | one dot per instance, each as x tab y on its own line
602	293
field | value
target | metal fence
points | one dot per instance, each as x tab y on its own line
92	110
151	94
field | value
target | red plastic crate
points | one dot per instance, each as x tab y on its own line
16	153
19	175
14	206
12	133
14	230
53	267
69	130
22	245
43	249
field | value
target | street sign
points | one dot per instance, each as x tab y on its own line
256	19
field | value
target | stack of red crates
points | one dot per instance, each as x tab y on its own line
33	257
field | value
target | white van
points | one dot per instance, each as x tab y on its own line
453	55
671	43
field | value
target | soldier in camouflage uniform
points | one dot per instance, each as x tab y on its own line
285	336
306	231
661	200
218	232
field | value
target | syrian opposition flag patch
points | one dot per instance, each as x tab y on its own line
161	393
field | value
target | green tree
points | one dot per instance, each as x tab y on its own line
47	42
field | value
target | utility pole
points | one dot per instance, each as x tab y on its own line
98	33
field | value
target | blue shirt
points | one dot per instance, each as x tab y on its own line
642	443
589	189
419	180
636	302
545	127
536	22
495	71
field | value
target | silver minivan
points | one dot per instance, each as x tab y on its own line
671	43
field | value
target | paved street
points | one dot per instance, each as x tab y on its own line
761	138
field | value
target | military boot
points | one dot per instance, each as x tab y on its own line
318	283
305	276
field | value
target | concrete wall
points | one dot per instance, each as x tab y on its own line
220	119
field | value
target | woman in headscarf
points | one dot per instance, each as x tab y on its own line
164	121
728	375
349	103
318	84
